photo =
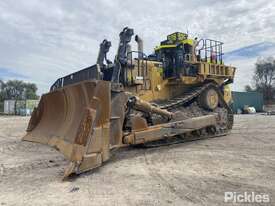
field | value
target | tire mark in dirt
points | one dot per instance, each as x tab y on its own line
154	174
27	167
19	146
2	168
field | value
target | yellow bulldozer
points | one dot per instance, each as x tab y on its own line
180	92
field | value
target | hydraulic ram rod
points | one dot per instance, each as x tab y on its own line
144	106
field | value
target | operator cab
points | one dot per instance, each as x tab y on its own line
179	54
174	53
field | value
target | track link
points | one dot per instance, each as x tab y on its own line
225	117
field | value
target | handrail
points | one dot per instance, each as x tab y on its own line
144	70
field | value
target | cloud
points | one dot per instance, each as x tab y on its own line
244	59
47	39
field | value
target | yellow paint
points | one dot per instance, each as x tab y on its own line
165	46
189	80
177	35
227	94
188	41
161	89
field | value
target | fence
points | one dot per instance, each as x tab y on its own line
19	107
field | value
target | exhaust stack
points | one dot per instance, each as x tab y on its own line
140	46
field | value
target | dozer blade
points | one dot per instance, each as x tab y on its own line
75	120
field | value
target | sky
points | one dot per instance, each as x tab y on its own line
244	59
41	41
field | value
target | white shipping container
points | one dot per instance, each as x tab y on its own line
9	107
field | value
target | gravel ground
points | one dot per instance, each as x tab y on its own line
193	173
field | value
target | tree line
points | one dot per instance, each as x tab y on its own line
264	79
17	90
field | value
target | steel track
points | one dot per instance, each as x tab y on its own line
195	135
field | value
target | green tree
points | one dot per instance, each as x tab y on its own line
13	89
1	96
18	90
30	91
1	89
264	78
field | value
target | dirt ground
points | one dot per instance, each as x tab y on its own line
193	173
